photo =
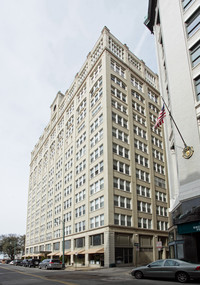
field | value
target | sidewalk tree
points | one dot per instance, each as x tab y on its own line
12	244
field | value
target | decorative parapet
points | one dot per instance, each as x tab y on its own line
66	102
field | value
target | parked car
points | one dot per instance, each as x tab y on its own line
25	262
33	262
50	264
168	268
17	262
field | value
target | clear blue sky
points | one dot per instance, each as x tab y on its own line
44	43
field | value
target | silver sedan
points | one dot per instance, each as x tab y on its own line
50	264
168	268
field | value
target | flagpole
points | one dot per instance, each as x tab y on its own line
174	122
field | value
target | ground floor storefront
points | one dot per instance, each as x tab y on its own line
108	247
184	235
183	244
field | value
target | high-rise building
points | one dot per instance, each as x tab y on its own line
176	26
97	174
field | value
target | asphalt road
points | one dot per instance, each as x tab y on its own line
16	275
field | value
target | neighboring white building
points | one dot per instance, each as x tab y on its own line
100	166
176	26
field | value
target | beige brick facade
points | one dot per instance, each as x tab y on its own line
100	166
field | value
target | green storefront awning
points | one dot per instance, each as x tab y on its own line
188	228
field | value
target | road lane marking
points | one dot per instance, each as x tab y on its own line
41	277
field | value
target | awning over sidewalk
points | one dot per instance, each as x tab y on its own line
53	253
94	250
88	251
40	254
74	252
101	250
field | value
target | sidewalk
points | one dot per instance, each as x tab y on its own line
99	269
82	268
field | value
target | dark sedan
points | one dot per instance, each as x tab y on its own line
168	268
17	262
33	262
24	262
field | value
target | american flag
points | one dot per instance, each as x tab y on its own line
160	118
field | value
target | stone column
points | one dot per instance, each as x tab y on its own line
155	250
109	248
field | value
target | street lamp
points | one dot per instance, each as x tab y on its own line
63	244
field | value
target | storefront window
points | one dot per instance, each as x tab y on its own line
180	254
171	251
67	244
123	255
79	242
171	236
56	246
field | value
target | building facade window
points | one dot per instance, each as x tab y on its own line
121	184
67	203
96	123
121	167
140	132
96	239
142	175
193	23
117	93
160	182
139	108
79	242
97	204
197	87
186	3
117	68
120	150
97	221
80	211
159	168
96	153
119	106
144	223
96	138
162	226
141	146
120	135
195	54
161	211
144	207
67	244
137	95
141	160
80	196
119	120
81	152
80	226
68	230
116	80
143	191
160	196
122	220
136	83
122	202
97	186
98	168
